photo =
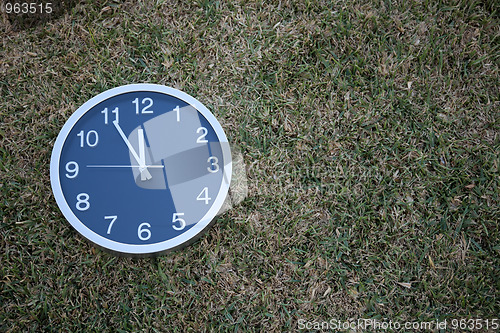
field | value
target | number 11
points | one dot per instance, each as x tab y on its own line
105	112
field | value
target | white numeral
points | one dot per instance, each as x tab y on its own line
201	139
92	138
141	231
105	112
145	109
205	197
113	219
176	218
72	168
213	160
82	202
176	109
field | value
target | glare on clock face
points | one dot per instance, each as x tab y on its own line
142	167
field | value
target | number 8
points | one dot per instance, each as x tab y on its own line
83	201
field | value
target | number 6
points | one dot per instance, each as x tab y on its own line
141	231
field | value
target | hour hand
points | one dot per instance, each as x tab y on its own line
142	156
145	175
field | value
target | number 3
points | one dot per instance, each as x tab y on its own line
213	163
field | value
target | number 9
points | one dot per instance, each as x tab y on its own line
72	169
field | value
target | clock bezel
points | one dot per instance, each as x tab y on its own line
137	249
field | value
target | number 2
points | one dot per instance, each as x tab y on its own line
201	138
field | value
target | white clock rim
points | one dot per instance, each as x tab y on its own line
139	249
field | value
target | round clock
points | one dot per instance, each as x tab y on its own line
141	169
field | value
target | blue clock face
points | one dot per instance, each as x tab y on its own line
141	169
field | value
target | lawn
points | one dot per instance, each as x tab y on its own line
370	135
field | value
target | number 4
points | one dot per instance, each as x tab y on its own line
205	197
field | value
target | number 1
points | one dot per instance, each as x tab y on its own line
176	109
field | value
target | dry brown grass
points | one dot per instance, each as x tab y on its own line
371	139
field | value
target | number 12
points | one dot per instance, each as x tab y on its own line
145	109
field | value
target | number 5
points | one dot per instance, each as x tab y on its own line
176	218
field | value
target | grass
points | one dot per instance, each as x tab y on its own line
370	131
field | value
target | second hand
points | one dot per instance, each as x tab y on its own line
123	166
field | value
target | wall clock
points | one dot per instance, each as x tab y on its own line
141	169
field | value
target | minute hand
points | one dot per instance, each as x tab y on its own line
142	166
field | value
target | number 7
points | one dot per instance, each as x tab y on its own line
113	219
